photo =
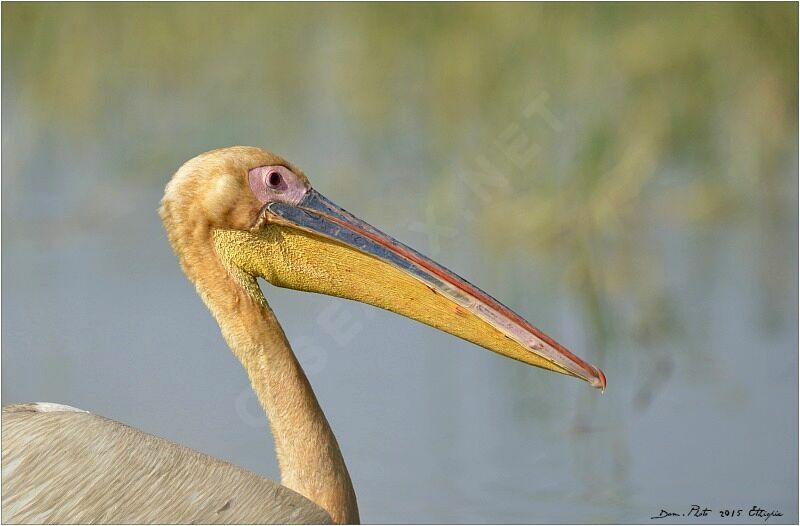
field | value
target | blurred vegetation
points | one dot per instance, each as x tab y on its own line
600	127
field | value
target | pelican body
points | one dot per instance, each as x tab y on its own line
234	215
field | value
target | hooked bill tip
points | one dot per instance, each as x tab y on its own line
599	380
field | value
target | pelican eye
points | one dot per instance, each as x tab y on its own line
274	179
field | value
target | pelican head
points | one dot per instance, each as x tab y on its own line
264	219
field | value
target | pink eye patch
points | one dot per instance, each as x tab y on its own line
276	183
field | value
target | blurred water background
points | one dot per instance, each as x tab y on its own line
625	177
